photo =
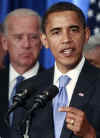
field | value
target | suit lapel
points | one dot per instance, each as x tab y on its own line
82	92
50	107
83	87
40	69
51	124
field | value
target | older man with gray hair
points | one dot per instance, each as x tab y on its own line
92	50
21	39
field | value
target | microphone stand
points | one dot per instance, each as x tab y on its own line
39	102
6	119
27	124
28	115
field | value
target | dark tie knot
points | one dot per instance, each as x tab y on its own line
63	81
19	79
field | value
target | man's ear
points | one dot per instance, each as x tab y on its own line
44	40
87	31
4	42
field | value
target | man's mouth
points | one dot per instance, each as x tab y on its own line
67	51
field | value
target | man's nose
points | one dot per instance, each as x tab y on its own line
26	41
66	37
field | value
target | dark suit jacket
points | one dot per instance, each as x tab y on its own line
4	80
88	83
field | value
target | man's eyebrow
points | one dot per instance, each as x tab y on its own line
74	26
59	28
15	34
55	29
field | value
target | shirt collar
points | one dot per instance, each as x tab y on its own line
74	72
32	72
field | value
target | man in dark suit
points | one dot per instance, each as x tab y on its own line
64	31
21	39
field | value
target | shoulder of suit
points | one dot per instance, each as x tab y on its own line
4	71
91	68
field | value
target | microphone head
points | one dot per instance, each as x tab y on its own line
51	92
46	95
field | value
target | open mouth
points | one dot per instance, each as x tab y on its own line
67	52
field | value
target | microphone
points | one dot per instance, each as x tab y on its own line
19	99
40	100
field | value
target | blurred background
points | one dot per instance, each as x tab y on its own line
91	9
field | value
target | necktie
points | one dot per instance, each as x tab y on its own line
18	81
60	100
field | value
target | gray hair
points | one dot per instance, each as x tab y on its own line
93	42
20	12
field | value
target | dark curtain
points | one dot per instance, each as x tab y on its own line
9	5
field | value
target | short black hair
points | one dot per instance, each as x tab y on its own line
59	7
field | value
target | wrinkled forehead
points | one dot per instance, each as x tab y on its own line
18	23
23	23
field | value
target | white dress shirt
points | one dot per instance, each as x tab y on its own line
13	74
73	74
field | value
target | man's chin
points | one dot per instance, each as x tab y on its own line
27	64
72	65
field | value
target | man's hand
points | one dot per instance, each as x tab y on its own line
78	123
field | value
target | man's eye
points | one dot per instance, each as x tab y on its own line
75	29
55	32
18	37
33	37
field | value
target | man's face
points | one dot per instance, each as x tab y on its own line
23	41
65	36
